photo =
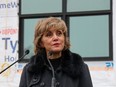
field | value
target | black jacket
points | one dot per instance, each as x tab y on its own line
72	72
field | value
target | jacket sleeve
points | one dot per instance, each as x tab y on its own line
85	78
23	78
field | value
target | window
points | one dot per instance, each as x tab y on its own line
40	6
89	24
88	5
91	40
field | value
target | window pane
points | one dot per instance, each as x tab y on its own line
87	5
29	28
40	6
89	35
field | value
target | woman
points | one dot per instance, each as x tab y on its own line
53	64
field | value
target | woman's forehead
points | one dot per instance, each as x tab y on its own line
53	29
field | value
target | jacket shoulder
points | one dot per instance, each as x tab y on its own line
77	58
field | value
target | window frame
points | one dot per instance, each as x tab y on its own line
65	16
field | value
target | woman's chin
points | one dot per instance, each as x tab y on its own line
56	51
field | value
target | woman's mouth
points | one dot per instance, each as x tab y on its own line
56	44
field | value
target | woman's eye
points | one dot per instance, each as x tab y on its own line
48	34
59	33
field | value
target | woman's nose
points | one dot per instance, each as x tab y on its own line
55	37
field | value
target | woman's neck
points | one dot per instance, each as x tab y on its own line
54	55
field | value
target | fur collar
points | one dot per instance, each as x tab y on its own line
71	63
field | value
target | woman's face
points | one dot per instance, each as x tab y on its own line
53	40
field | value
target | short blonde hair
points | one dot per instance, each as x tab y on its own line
44	25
